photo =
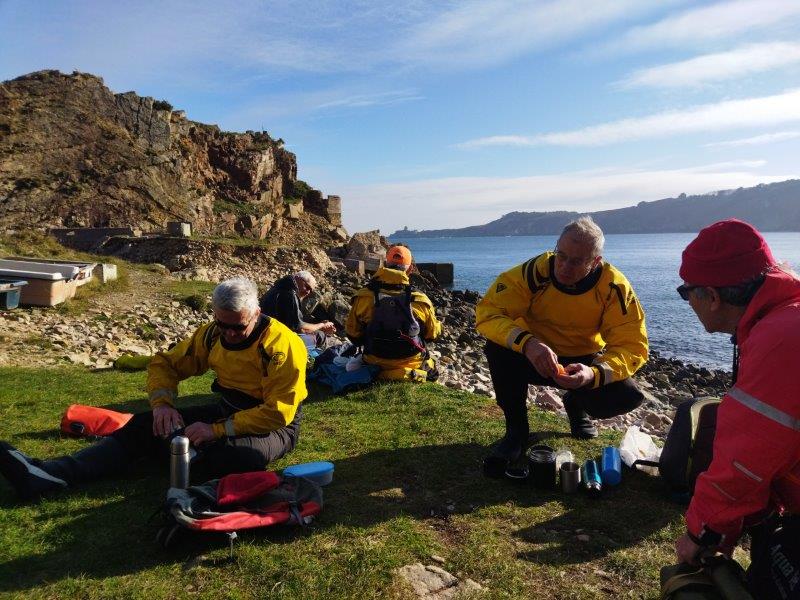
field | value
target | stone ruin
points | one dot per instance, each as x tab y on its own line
330	207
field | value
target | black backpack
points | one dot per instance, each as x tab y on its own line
718	578
689	447
393	331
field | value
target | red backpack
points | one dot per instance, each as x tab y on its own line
240	501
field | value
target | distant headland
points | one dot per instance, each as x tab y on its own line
770	207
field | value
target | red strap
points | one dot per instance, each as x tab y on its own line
237	521
240	488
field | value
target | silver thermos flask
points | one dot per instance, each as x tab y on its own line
179	462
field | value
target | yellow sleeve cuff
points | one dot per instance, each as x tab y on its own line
224	428
162	397
597	376
517	339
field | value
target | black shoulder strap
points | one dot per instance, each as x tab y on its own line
535	280
615	288
410	313
209	338
374	286
265	358
212	335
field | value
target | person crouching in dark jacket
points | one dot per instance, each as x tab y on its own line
282	302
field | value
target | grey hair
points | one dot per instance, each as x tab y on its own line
736	295
236	295
308	278
587	231
741	294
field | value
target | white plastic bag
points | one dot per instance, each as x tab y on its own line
637	445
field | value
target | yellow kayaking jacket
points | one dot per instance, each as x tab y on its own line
362	305
269	366
601	312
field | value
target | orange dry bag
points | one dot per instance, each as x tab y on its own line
84	421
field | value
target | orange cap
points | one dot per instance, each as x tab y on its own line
398	255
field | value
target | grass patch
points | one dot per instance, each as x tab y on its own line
195	294
240	209
407	485
33	243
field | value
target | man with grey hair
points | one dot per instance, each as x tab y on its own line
260	367
564	318
283	302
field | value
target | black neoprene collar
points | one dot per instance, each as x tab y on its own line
583	286
263	323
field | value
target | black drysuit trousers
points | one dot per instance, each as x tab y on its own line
512	373
135	440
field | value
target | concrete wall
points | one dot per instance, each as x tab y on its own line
442	271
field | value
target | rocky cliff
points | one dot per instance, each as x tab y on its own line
75	154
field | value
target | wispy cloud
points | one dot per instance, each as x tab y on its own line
479	33
720	116
734	64
720	21
278	106
458	202
377	99
213	40
728	165
758	140
499	140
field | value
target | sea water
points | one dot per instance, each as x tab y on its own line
649	261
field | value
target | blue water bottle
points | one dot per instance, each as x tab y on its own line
591	479
611	466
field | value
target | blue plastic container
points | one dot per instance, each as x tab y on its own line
10	292
320	472
611	466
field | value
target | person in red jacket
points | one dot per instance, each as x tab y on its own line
734	285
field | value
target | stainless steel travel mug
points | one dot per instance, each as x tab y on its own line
570	474
179	462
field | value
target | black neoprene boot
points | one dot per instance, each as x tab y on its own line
28	476
511	446
580	424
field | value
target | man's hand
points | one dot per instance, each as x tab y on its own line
328	327
687	551
166	420
576	376
542	357
199	433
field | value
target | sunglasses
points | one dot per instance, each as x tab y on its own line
572	261
231	326
683	290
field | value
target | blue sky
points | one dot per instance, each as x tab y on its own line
447	114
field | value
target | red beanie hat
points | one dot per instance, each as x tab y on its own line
728	252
